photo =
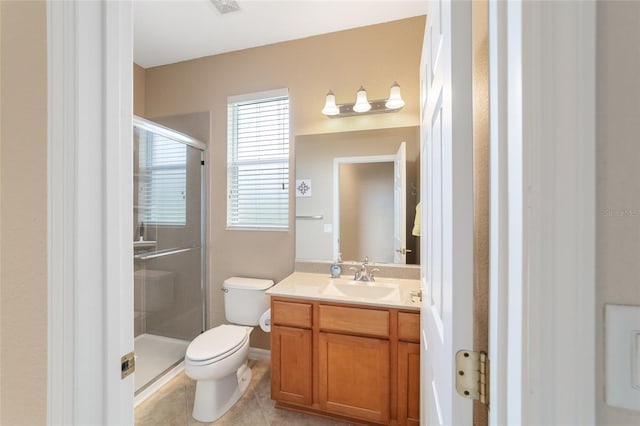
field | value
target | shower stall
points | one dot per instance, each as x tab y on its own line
168	240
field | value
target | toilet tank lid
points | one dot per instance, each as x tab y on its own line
247	283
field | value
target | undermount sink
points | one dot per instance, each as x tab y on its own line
363	290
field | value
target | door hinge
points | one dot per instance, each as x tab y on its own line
127	364
472	375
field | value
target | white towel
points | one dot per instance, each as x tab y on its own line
416	223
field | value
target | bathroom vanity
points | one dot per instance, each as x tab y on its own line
345	349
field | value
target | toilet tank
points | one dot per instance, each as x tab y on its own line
245	299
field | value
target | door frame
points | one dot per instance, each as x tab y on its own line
447	252
90	254
363	159
542	241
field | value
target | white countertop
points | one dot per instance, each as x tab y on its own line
305	285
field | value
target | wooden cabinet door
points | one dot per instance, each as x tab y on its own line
408	383
291	364
354	376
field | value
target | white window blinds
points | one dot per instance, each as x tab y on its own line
258	162
163	180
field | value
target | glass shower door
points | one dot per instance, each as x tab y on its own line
168	254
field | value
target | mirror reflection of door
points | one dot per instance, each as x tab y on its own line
371	206
317	210
400	205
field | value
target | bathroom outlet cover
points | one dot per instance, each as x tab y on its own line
622	354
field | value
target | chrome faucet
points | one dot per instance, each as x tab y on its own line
363	273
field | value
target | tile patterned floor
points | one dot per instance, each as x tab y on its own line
172	405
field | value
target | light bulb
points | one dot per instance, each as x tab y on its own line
395	100
362	104
330	107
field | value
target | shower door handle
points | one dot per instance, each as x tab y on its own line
162	253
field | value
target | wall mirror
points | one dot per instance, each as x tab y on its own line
351	197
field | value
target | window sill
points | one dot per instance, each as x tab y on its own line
257	228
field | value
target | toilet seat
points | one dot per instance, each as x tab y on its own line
216	344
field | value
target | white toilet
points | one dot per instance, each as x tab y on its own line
217	358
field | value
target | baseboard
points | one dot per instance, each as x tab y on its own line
260	354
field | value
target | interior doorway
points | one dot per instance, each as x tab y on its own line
370	183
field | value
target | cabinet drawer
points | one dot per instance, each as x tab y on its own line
291	314
368	322
408	327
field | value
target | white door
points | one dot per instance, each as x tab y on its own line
400	205
542	285
90	215
447	212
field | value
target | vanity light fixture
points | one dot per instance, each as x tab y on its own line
395	100
330	107
363	106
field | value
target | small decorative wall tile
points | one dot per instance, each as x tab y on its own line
303	187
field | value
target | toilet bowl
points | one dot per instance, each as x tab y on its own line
217	359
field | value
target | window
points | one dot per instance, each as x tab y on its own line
163	180
258	160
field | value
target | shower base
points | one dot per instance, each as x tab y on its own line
158	359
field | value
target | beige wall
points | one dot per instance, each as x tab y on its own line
618	176
139	85
373	56
23	213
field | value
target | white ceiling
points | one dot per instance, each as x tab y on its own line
169	31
